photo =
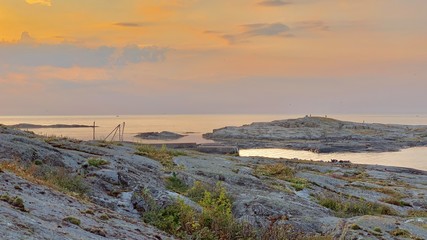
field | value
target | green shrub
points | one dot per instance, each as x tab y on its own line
38	162
197	192
97	162
214	222
175	184
298	183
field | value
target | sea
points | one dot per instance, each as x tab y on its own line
193	126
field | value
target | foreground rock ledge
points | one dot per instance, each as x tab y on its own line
259	194
323	135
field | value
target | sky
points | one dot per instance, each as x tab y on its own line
88	57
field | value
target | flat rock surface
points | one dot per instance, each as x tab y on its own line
48	208
321	134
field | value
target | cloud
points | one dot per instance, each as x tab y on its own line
41	2
130	24
27	53
265	29
258	29
274	3
312	25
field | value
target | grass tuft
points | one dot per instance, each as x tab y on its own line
283	172
350	207
175	184
396	201
72	220
14	201
55	177
97	162
163	155
417	213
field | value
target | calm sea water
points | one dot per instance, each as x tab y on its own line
195	125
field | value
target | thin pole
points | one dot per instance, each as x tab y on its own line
120	132
123	131
117	128
94	131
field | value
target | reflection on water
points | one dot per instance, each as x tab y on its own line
410	157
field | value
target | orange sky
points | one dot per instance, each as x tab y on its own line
202	56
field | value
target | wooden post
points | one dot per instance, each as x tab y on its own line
94	130
123	131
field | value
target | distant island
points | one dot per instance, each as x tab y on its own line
28	125
323	135
164	135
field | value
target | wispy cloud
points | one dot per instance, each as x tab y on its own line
41	2
312	25
130	24
274	3
258	29
27	52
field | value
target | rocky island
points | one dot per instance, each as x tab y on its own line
323	135
164	135
30	126
61	188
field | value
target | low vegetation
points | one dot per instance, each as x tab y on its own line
417	213
351	176
283	172
350	206
97	162
55	177
396	201
14	201
400	233
72	220
163	155
175	184
389	191
215	221
104	217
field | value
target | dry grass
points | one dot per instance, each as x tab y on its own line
350	207
417	213
283	172
53	177
396	201
279	170
163	155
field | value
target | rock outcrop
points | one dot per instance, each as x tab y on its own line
324	135
164	135
345	201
